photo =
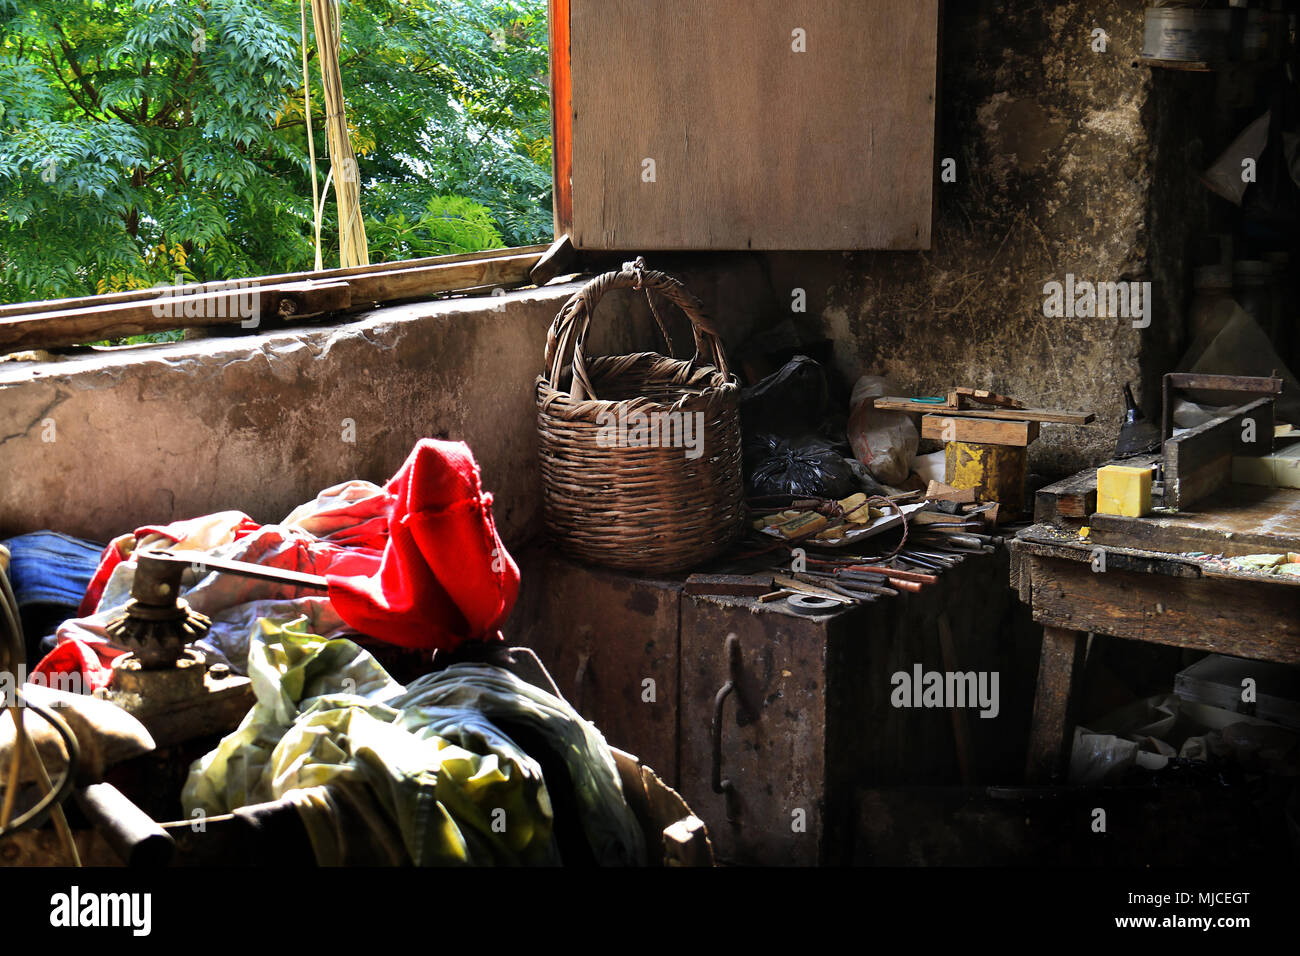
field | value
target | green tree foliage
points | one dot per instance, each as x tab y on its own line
147	139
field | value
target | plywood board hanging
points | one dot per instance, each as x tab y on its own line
745	124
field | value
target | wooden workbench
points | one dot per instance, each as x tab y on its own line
1132	578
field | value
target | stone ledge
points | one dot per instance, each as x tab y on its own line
98	444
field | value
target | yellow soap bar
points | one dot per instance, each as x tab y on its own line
1123	491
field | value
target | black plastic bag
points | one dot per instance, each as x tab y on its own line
792	401
805	467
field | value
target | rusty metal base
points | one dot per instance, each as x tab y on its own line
180	703
140	690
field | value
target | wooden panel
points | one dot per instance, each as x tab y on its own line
1241	618
755	145
982	431
1199	461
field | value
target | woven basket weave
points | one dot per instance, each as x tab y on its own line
617	496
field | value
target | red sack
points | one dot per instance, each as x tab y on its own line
445	577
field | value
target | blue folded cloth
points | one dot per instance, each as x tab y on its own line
46	567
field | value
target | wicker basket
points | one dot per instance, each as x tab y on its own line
641	456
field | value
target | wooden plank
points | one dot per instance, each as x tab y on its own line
407	283
938	491
1074	497
732	585
1060	668
755	145
895	403
984	431
252	307
1198	462
1193	66
560	259
1244	618
286	278
1244	519
232	306
1039	539
960	725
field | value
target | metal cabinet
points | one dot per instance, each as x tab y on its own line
804	721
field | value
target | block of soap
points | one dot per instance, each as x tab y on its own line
1279	469
1122	490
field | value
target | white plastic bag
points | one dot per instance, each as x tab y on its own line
883	441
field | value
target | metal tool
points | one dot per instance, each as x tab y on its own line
1137	434
942	560
884	583
854	590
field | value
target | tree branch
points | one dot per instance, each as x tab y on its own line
70	54
72	94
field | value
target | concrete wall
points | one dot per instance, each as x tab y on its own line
100	443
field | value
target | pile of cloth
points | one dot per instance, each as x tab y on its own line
415	563
428	774
466	765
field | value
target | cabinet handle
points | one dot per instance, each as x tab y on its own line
721	785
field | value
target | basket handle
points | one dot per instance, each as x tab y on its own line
570	325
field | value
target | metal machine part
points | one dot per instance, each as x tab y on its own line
157	623
162	680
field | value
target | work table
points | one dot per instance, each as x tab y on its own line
1142	579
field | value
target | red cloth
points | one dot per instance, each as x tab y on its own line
445	577
93	662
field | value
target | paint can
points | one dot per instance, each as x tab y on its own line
1186	34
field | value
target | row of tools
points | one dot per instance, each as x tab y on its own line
814	580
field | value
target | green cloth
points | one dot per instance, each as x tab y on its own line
424	767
